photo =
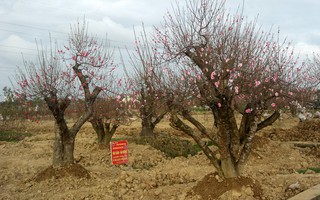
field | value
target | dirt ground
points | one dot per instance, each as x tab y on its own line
270	172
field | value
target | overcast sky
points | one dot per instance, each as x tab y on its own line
23	21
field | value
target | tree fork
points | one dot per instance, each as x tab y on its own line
179	125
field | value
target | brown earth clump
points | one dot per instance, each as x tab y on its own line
212	187
308	130
74	170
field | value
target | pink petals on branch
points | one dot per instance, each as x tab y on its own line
212	75
217	84
236	90
84	54
248	110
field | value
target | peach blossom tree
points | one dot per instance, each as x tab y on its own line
111	112
236	67
145	83
75	72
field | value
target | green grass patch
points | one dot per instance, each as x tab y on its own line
10	136
171	145
303	171
198	148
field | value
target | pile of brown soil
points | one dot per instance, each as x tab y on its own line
74	170
212	187
305	131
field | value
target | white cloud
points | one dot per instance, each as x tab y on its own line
14	47
16	40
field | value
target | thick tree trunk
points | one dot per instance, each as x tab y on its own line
147	126
229	141
97	125
63	148
149	123
147	130
109	132
104	130
229	168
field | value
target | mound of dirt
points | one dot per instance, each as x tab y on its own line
212	187
308	130
75	170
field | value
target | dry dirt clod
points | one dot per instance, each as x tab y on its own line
158	191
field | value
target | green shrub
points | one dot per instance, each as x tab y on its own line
172	146
302	171
198	148
10	136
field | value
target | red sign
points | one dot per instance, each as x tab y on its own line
119	152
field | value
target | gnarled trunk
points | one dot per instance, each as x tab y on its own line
147	126
104	130
229	168
229	140
232	145
147	130
63	148
149	122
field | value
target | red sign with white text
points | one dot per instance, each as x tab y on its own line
119	152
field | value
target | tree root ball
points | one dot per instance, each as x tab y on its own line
75	170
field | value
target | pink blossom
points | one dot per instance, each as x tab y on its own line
212	75
275	77
216	84
276	94
248	110
257	83
219	105
85	54
236	89
273	105
38	77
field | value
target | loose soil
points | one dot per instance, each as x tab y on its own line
270	173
